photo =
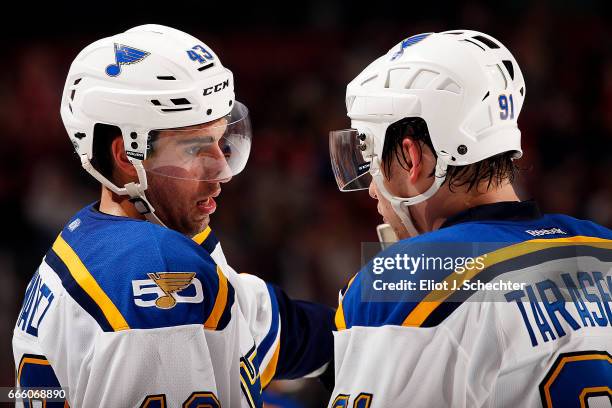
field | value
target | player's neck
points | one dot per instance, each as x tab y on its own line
119	206
446	203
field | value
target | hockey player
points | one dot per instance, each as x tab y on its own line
135	304
522	314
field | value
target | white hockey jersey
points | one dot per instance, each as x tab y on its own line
125	313
546	342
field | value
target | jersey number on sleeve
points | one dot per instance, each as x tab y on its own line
249	379
578	379
363	400
249	382
196	399
35	371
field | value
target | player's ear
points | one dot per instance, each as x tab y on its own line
414	155
122	166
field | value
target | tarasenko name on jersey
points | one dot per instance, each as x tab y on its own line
503	248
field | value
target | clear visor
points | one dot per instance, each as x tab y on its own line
350	167
212	151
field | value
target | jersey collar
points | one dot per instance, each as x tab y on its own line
502	211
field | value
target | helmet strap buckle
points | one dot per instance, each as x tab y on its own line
141	205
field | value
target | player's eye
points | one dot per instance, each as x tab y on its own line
225	149
193	150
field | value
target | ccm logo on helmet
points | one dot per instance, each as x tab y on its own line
216	88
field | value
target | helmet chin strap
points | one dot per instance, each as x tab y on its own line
136	191
400	204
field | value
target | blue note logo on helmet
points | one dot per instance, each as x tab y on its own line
407	43
124	55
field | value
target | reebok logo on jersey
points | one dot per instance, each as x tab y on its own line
540	232
165	289
74	225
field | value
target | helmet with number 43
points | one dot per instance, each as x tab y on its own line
152	78
465	85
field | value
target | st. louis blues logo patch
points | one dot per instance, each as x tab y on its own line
125	55
407	43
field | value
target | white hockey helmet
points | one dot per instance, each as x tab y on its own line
465	85
153	78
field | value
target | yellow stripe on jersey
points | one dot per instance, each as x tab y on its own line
339	318
201	237
270	370
435	298
593	390
220	302
87	282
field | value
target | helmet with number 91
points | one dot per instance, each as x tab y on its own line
465	85
155	84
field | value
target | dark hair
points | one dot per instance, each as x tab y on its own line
102	159
494	170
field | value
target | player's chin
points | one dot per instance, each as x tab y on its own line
200	223
190	224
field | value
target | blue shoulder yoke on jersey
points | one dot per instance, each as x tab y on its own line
128	273
505	227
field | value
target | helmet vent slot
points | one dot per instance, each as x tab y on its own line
180	101
422	79
522	91
203	67
486	96
486	41
166	78
472	42
397	78
509	67
450	86
175	109
73	88
454	32
369	81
